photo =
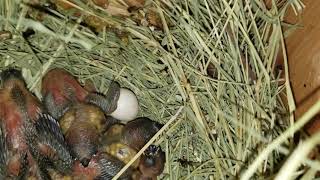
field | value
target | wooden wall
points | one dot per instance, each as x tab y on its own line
303	50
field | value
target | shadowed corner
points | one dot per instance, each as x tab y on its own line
302	106
313	125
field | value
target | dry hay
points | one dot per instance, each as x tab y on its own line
215	59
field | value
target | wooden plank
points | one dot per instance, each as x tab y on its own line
303	50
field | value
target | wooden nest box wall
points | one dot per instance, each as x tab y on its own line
304	60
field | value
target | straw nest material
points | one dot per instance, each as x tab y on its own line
205	68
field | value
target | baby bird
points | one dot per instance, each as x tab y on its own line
135	134
82	126
20	116
19	109
152	162
60	90
138	132
124	141
111	143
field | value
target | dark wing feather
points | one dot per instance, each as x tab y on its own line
49	134
110	166
3	153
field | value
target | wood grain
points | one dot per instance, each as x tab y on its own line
303	50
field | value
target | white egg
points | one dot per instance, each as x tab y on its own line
127	107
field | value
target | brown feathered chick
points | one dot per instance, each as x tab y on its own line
82	126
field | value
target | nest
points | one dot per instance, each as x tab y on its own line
206	69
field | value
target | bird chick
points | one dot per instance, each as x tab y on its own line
152	162
13	89
60	90
102	166
19	109
111	143
138	132
82	126
135	134
124	141
27	131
